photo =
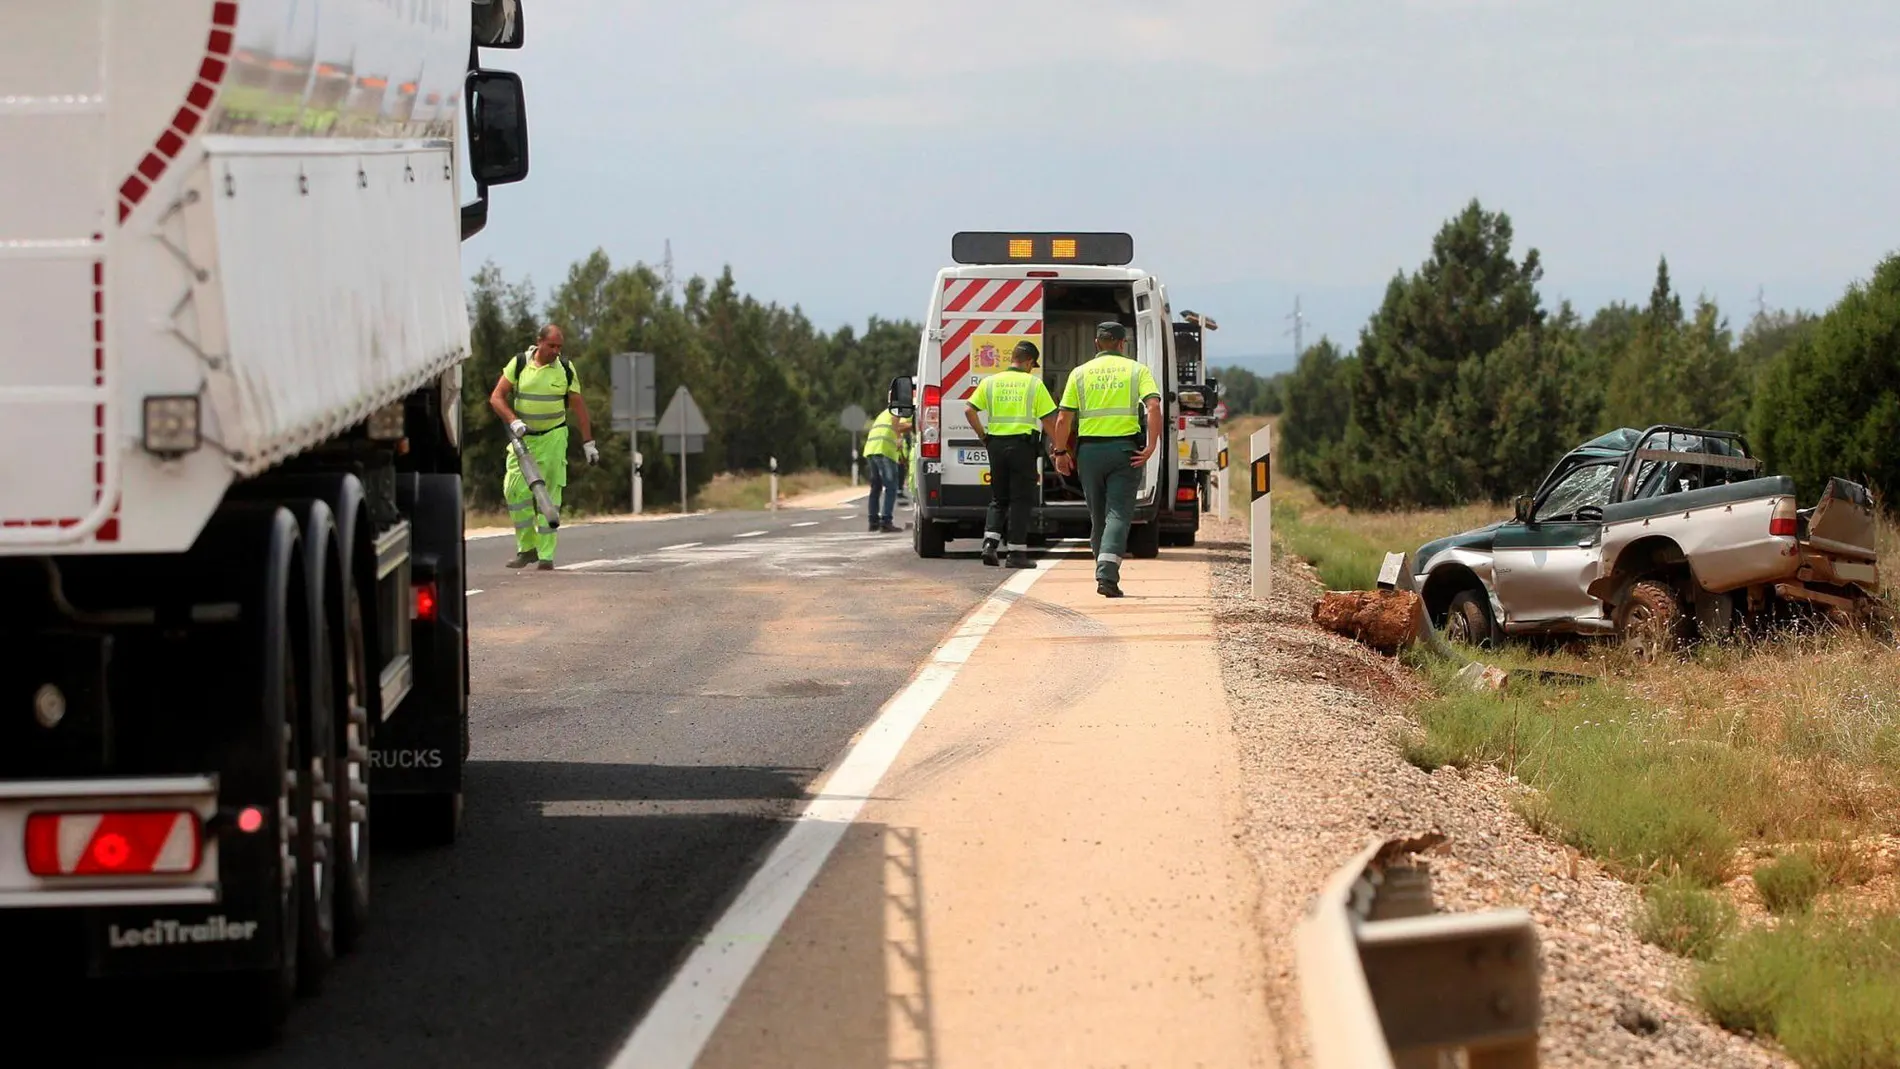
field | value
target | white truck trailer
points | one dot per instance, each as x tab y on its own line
231	547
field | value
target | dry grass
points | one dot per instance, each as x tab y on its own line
751	491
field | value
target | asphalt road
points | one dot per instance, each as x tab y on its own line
644	720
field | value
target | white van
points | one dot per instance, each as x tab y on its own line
1051	289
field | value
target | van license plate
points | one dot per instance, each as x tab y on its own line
973	456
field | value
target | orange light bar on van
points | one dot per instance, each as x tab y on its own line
1075	247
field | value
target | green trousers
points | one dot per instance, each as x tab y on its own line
532	534
1109	483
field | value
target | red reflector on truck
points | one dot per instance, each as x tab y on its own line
1782	526
425	602
136	843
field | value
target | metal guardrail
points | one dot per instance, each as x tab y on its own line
1386	983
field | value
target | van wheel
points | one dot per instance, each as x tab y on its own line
928	539
1468	620
1650	620
1144	540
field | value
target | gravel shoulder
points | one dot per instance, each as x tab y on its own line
1317	718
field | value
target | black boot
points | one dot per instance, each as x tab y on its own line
989	553
1108	588
1020	559
522	560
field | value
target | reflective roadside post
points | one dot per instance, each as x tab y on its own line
1260	447
774	483
637	480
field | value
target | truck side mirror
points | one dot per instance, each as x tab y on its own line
903	395
497	128
1523	506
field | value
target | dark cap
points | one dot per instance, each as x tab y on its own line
1111	330
1028	349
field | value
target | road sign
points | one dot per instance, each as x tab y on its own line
634	399
683	425
1220	410
852	418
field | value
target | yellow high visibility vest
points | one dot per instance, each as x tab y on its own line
1106	395
882	441
541	392
1015	402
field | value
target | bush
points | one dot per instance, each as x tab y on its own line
1828	991
1789	883
1830	404
1685	919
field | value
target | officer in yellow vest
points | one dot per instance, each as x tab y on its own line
884	449
1017	403
1103	402
545	388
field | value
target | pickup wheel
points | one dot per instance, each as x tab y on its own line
1650	620
1468	620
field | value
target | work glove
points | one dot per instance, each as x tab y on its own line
518	428
591	451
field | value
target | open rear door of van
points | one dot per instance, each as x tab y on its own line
1154	347
982	320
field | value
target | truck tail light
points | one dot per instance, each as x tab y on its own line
1185	495
1784	524
931	432
130	843
425	602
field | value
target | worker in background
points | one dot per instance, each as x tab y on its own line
1017	405
544	389
1102	404
884	449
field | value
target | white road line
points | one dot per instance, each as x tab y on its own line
470	593
588	565
680	545
696	999
749	534
807	523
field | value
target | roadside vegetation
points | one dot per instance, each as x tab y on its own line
753	490
1752	791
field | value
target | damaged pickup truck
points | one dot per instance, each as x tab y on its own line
1656	537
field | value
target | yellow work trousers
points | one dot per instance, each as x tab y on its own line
532	533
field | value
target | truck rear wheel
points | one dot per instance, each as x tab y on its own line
317	746
1650	620
263	997
351	823
1144	540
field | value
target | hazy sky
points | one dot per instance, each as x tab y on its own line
827	149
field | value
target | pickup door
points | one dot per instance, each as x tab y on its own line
1544	567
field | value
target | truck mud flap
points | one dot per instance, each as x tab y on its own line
419	749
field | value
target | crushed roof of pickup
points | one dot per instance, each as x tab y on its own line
1624	439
